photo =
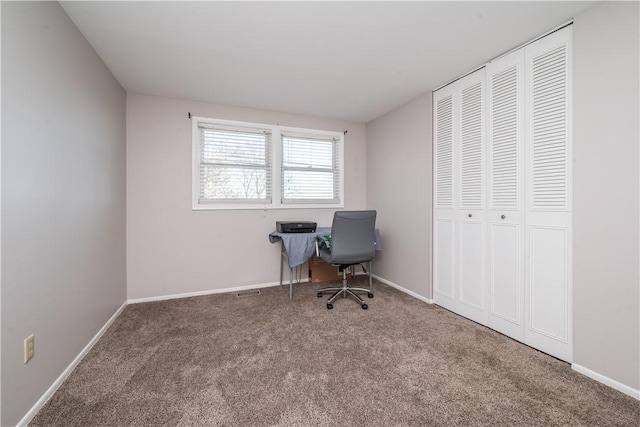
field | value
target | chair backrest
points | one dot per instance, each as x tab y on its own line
353	237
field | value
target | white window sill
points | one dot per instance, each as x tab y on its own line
233	206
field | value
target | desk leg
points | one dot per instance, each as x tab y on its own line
283	255
290	282
281	266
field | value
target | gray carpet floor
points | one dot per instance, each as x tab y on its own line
267	360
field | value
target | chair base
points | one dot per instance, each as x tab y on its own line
346	290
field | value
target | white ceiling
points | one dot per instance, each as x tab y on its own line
346	60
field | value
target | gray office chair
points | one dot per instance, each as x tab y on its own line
352	243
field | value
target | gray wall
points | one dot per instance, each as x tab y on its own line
172	249
63	198
399	185
606	192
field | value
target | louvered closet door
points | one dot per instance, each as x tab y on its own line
470	196
443	199
548	237
505	81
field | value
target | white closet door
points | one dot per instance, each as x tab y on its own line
548	237
471	215
505	80
443	200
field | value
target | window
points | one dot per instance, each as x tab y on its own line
234	165
310	170
240	165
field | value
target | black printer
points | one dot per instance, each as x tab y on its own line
295	227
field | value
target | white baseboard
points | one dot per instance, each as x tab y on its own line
405	290
606	381
581	369
58	382
212	291
263	285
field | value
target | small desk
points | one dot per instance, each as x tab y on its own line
299	247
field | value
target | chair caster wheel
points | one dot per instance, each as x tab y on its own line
319	295
365	306
370	295
329	306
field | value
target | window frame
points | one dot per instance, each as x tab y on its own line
276	170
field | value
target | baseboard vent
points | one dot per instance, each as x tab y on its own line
249	293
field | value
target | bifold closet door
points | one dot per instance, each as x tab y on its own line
548	278
505	81
470	214
444	221
459	215
502	195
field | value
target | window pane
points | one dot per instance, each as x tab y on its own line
233	183
309	169
308	185
307	152
233	147
234	164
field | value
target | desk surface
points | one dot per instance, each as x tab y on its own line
302	246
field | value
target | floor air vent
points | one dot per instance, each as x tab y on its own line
251	293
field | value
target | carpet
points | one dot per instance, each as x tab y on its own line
265	360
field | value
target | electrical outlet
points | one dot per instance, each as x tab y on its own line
28	348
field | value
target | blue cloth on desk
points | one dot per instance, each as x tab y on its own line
299	246
302	246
